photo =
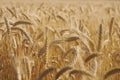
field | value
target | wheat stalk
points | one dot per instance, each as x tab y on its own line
111	28
70	50
46	47
99	38
92	56
7	25
2	30
73	38
25	16
13	14
39	36
111	72
63	70
24	32
60	17
44	73
81	72
58	41
22	22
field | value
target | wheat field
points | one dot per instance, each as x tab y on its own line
59	40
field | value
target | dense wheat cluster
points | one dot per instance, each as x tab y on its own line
45	41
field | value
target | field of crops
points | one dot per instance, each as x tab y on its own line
60	40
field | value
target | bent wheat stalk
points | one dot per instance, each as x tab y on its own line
22	22
24	32
58	41
111	72
44	73
81	72
63	70
73	38
92	56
